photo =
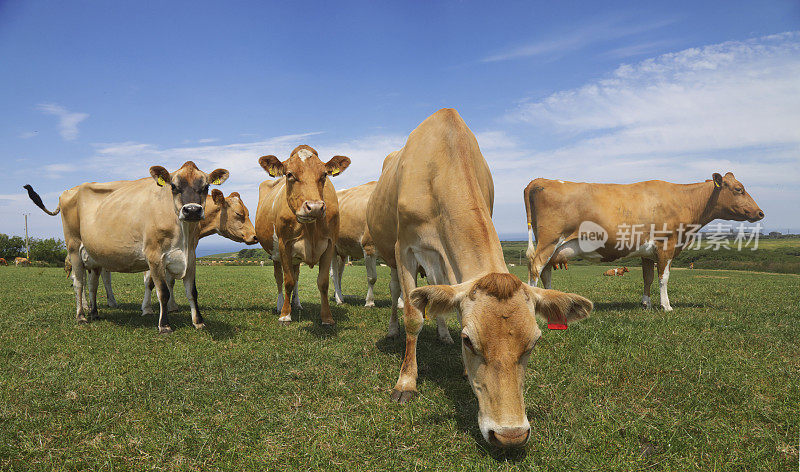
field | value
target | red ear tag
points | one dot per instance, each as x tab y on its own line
556	326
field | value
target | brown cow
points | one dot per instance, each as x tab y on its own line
3	261
297	220
134	226
21	261
354	240
597	221
432	207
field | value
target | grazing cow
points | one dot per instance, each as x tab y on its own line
432	207
607	216
621	271
610	272
21	261
297	220
133	226
354	239
3	261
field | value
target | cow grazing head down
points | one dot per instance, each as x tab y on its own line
189	188
732	200
305	175
499	332
234	218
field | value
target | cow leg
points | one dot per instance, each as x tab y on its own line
289	283
190	286
322	284
172	306
406	387
547	276
278	271
110	300
162	292
147	307
78	283
296	306
92	283
372	276
664	264
337	270
539	261
394	293
647	275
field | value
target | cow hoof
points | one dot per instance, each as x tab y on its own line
112	304
173	309
446	339
164	330
285	319
369	304
403	396
200	325
667	308
330	322
394	331
81	319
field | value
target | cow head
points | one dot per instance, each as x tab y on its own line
233	220
499	331
732	200
306	176
189	187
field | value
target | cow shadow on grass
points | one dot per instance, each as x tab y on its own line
441	364
129	315
311	313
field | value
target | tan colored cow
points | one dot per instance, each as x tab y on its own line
432	207
133	226
297	220
354	239
604	222
21	261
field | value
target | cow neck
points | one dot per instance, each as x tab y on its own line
187	243
209	224
703	198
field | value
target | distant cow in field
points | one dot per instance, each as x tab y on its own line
620	271
663	212
432	207
135	226
297	220
3	262
21	261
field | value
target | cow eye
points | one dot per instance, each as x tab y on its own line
174	188
322	179
468	343
205	188
290	176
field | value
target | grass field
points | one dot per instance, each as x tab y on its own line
710	386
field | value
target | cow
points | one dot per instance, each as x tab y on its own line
226	216
354	240
621	271
297	220
21	261
432	207
664	214
134	226
3	261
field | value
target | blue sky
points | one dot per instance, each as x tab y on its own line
611	92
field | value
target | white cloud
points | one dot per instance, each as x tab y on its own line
599	31
207	140
29	134
67	121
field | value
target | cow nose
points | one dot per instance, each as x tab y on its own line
760	214
314	209
191	212
509	437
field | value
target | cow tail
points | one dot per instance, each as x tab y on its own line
529	214
38	201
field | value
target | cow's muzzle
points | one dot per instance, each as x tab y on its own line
310	211
191	212
756	216
509	437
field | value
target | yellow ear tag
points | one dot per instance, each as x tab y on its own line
216	182
335	171
716	184
161	182
273	171
426	312
529	225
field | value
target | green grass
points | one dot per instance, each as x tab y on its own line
710	386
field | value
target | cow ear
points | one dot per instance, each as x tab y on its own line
218	197
160	175
559	308
272	165
337	165
717	180
218	177
433	300
235	194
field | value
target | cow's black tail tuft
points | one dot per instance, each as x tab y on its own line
38	201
